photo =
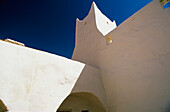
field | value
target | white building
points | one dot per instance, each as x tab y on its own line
116	69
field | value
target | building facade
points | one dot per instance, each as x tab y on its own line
113	69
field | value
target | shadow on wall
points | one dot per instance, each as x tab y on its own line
90	81
87	95
81	102
168	108
3	108
165	109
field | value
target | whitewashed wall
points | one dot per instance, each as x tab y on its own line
135	67
35	81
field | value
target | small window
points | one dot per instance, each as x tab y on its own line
85	111
64	110
108	39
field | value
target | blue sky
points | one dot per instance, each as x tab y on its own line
49	25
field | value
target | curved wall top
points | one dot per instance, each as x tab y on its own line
35	81
76	102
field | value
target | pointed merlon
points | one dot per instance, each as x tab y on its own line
104	25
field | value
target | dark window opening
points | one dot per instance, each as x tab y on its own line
84	111
63	110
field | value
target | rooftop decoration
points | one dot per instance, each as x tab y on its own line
165	3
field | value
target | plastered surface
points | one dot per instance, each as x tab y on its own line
135	67
35	81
